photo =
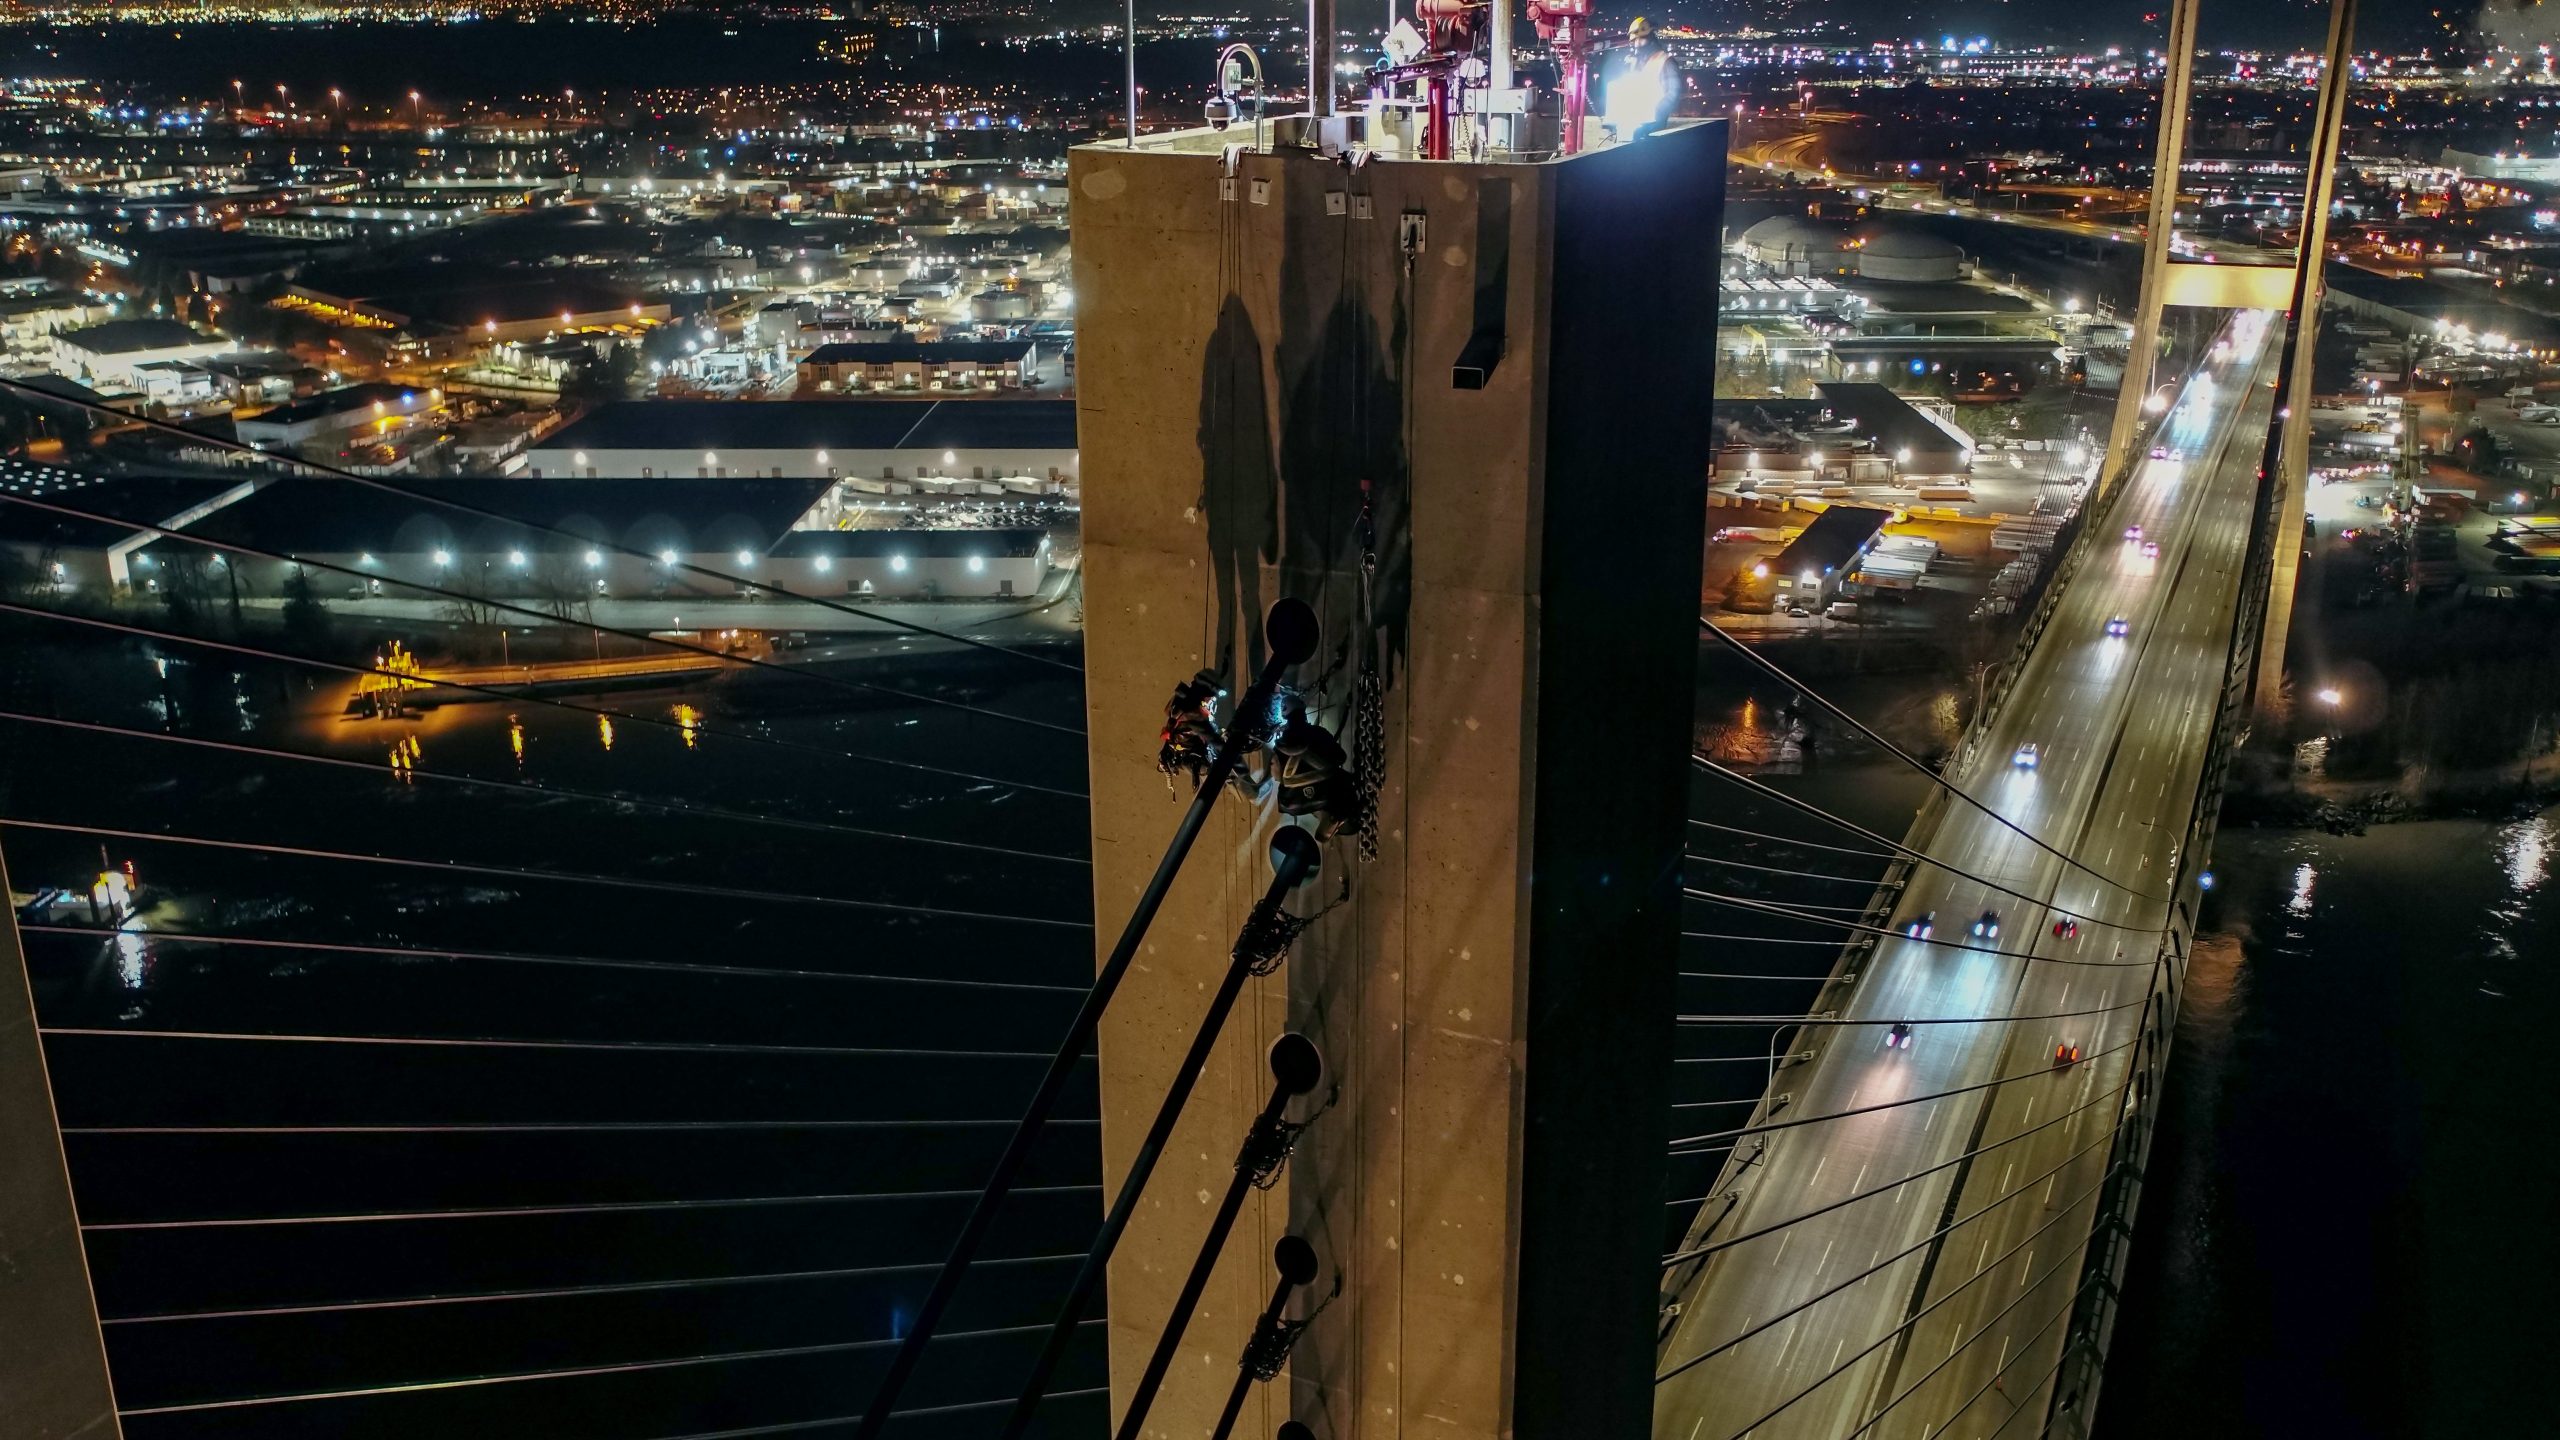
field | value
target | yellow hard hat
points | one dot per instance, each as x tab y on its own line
1639	28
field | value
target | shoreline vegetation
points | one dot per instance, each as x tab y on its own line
2257	795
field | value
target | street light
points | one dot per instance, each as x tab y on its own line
2330	697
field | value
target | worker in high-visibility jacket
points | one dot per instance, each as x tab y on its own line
1642	84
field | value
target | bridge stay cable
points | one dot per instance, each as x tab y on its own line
405	953
684	808
1800	1121
1732	864
1906	1253
2069	1302
2025	1292
548	1292
1791	840
622	1367
1682	1257
516	872
1775	672
1787	912
704	729
1765	791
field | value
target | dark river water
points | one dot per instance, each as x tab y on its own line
2347	1226
662	1156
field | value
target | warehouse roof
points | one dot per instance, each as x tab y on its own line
321	514
125	337
1835	538
715	425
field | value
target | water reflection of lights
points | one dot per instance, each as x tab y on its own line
604	729
404	759
2303	877
688	723
515	738
133	956
2525	848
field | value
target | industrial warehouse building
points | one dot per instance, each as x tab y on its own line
626	539
901	362
376	405
115	353
1809	572
875	443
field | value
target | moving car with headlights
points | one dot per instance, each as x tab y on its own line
2133	532
2066	928
1988	927
1923	927
2150	549
1899	1037
2118	627
2027	756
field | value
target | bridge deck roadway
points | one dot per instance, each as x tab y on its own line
2123	725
